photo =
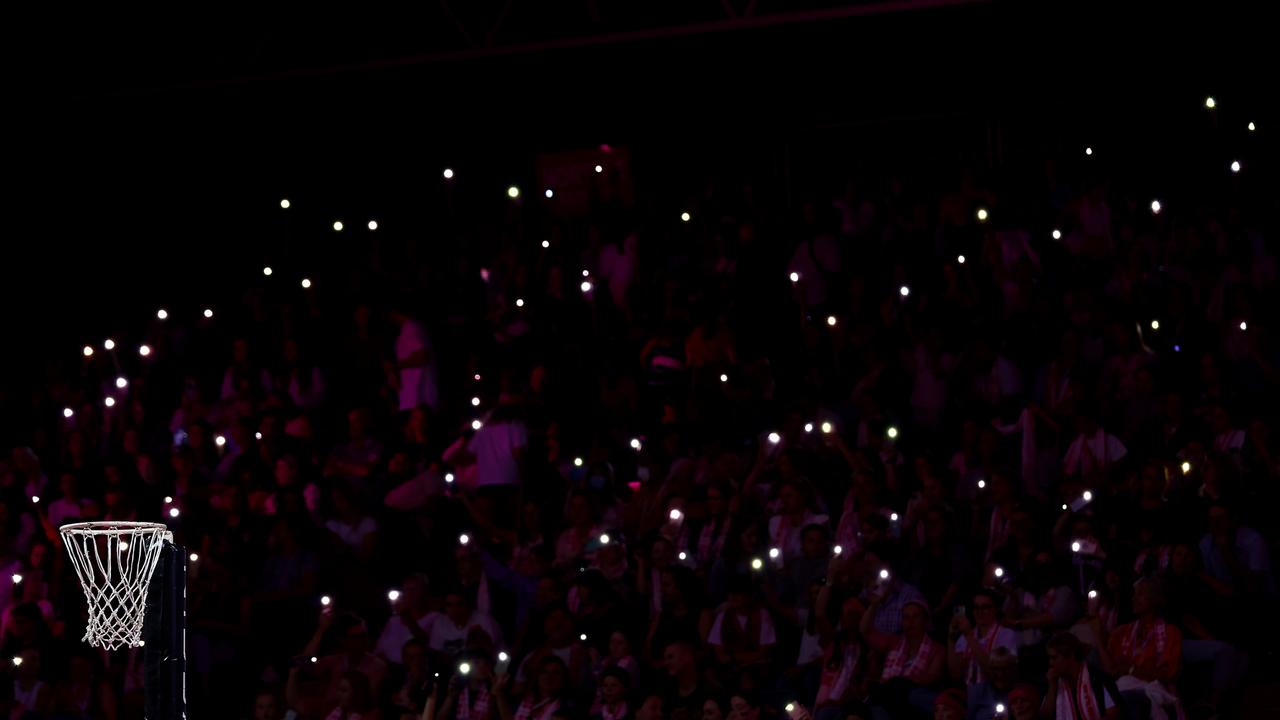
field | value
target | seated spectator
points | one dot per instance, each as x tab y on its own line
352	637
910	663
1145	654
742	632
448	634
972	643
1077	691
547	691
986	697
412	620
611	704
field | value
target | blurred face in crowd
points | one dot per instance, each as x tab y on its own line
551	679
740	709
1143	601
711	711
678	659
1063	665
266	707
791	499
1003	672
650	709
1183	560
984	611
1023	707
457	608
286	471
619	646
356	640
414	657
914	621
814	544
558	628
612	691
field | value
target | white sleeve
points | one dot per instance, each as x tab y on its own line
1115	449
1006	638
1107	701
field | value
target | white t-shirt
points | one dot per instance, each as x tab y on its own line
352	535
417	384
767	634
1104	447
449	638
493	446
391	643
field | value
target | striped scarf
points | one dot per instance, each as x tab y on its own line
974	674
617	712
896	665
1084	699
466	709
1133	652
541	710
837	673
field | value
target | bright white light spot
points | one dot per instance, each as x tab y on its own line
1075	546
338	226
35	499
513	192
144	350
464	668
109	402
960	259
88	351
808	427
795	277
503	657
1088	151
982	215
1235	166
475	402
1087	496
168	499
832	320
1057	234
635	443
257	436
893	517
599	168
884	574
393	595
108	344
683	556
604	538
1252	127
724	378
1064	506
208	313
194	557
1210	103
675	514
284	204
1186	467
756	563
1093	594
373	225
219	440
774	438
448	477
67	412
774	553
583	637
999	708
124	545
1244	325
549	193
174	512
17	661
267	271
586	286
162	314
546	244
904	291
827	428
685	217
122	382
837	550
17	579
586	273
1155	324
476	424
448	173
1155	207
982	484
306	283
791	707
464	539
892	432
314	659
999	572
577	462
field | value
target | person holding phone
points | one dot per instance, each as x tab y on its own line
971	643
470	693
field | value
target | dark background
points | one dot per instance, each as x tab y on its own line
147	153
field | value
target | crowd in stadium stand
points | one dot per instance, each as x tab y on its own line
903	452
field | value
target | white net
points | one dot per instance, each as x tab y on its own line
114	561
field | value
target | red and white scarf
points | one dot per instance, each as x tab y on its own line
542	710
1065	707
896	665
974	675
836	679
1133	652
467	709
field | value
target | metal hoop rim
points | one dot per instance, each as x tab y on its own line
108	528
